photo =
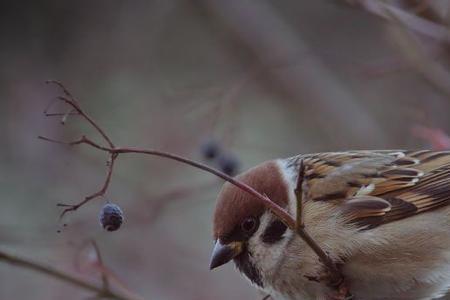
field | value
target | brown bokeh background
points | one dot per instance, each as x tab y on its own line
266	79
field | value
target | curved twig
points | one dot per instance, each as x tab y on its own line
38	267
114	152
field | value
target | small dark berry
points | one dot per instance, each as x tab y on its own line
229	164
111	217
210	149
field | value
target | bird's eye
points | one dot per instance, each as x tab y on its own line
249	225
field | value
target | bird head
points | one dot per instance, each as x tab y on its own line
244	230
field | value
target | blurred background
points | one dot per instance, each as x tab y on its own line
256	80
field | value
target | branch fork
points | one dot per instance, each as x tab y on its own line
335	278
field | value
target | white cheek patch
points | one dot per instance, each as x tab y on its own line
266	257
264	221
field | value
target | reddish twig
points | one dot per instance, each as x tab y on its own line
104	275
50	271
71	101
101	192
278	211
110	168
114	152
108	277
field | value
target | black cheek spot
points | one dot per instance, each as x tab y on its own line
245	266
274	232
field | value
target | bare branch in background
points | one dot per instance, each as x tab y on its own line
60	275
105	279
89	258
409	26
264	33
415	53
412	22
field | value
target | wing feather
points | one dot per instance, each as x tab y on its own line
375	187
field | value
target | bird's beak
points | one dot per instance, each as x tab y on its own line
224	253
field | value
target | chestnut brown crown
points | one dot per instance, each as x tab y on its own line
234	205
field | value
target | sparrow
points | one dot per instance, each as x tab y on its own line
382	216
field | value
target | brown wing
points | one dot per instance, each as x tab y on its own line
376	187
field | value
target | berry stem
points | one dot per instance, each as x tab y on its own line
296	225
115	151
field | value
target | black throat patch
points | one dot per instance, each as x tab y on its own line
245	266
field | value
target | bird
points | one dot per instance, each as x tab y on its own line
383	216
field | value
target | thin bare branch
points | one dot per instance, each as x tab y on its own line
435	73
278	211
67	114
61	86
100	193
74	103
105	279
113	152
273	43
61	114
413	22
60	275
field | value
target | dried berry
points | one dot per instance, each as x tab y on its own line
229	164
210	149
111	217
